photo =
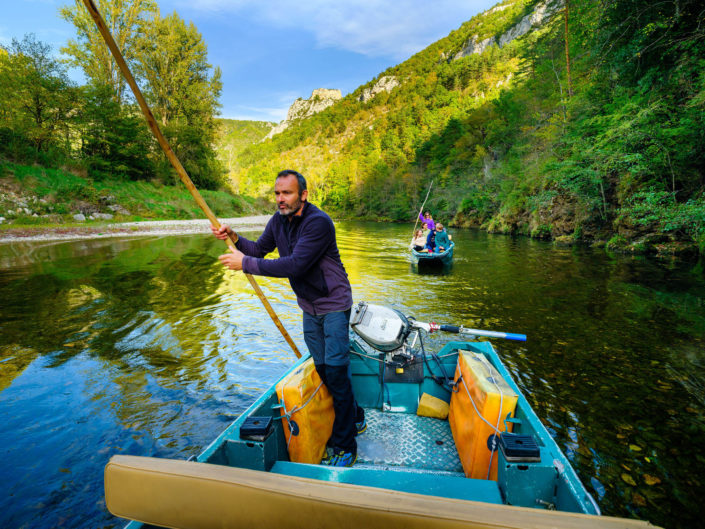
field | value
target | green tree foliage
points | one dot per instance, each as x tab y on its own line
98	127
233	137
637	125
173	61
183	93
126	20
36	101
114	139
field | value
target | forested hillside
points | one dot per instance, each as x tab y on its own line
589	125
234	136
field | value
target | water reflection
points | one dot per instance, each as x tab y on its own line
148	346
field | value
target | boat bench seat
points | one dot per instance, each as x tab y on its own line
443	484
170	493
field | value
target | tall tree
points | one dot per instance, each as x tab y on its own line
183	90
5	99
125	19
173	60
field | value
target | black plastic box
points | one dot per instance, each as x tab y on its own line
256	428
519	448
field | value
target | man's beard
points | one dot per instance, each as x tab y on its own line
290	211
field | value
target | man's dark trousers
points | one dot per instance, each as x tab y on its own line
328	340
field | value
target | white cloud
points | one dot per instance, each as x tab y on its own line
377	28
255	113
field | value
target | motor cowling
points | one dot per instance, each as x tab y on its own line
381	327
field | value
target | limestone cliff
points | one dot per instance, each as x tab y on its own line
320	99
541	13
386	83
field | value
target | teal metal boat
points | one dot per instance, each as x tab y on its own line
412	468
435	259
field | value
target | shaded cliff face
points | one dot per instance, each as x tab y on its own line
320	99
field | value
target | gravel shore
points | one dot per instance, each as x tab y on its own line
129	229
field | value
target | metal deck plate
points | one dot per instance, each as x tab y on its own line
405	440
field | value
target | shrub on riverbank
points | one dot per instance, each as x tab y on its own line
31	195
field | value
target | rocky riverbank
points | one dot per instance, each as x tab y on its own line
128	229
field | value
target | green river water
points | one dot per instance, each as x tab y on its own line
148	346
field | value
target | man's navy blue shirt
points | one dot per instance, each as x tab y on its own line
308	256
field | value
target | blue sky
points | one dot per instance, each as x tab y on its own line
273	51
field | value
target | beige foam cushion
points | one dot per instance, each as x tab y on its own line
189	495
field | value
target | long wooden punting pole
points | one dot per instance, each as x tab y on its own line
183	175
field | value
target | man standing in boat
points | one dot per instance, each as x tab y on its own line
309	258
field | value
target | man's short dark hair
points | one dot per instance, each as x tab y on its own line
299	177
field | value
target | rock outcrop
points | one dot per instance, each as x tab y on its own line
541	13
320	99
473	46
499	8
385	84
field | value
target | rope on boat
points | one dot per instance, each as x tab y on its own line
369	357
447	382
460	379
495	428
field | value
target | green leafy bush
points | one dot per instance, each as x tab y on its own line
658	209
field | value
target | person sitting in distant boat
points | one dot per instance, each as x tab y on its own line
442	238
419	241
428	220
431	241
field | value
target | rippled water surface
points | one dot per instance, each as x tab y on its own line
147	346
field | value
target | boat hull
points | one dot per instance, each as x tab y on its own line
441	259
402	479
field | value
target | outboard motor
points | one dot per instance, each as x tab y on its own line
387	330
384	328
393	334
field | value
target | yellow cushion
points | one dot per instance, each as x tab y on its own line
430	406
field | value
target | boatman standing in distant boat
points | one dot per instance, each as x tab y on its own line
309	258
427	219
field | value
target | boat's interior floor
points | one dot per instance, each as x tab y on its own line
406	453
407	440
